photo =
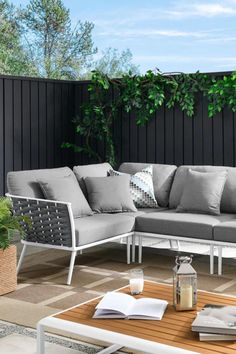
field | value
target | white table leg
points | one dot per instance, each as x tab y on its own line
40	339
112	349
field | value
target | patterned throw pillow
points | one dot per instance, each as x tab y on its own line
141	187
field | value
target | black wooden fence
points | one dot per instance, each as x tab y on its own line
171	137
36	115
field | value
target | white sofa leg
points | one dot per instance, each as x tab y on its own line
21	258
174	244
211	259
133	248
219	260
171	244
140	249
128	249
72	262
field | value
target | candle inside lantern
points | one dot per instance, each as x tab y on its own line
186	296
136	281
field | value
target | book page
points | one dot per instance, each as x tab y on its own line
147	307
115	301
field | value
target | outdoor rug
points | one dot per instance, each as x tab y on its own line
15	339
41	289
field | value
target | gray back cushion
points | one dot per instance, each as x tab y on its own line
66	189
228	200
110	194
202	192
93	170
162	178
24	183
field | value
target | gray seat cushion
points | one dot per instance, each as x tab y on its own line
228	201
24	183
143	211
225	231
162	178
102	226
180	224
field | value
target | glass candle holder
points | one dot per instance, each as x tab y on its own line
136	281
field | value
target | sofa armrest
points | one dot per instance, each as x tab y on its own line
52	222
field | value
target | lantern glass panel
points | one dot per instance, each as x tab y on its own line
184	285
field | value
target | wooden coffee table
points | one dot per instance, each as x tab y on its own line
170	335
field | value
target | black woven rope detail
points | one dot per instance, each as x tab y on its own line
50	222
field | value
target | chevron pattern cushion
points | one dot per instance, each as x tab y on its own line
141	187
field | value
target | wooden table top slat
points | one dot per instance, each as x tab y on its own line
174	329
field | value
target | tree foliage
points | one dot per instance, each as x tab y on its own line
115	64
13	59
56	49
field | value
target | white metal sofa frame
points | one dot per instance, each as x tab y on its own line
211	243
52	226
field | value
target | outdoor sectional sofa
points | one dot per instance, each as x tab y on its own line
54	226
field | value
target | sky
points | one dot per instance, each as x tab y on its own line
173	36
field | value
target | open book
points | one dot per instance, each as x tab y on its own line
119	305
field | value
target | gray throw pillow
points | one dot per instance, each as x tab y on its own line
202	192
66	189
109	194
93	170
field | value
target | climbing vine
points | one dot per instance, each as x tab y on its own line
144	95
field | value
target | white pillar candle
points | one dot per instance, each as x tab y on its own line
186	296
136	285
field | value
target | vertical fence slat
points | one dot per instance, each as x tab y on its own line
34	106
133	146
78	102
42	125
9	142
169	136
228	137
69	117
50	124
65	137
142	143
178	137
58	126
26	131
217	123
117	133
17	109
151	143
188	140
125	136
198	133
207	136
160	136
